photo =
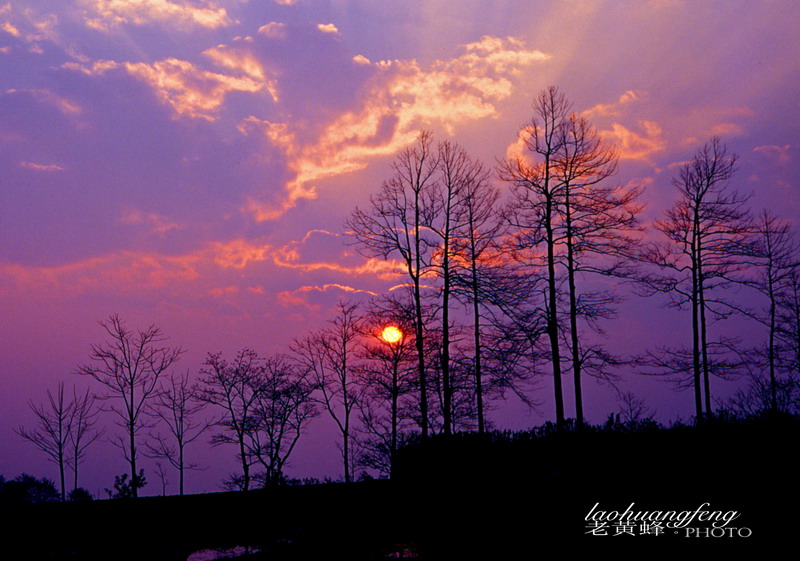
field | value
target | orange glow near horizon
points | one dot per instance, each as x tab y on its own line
391	334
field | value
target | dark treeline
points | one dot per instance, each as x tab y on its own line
508	274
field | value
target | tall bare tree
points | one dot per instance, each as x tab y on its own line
706	232
562	203
130	365
537	191
329	356
461	203
177	408
777	259
394	225
476	255
596	233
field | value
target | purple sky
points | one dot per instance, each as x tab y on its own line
190	164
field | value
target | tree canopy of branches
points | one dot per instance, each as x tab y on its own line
267	405
130	365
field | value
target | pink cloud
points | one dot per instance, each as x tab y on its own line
41	167
780	154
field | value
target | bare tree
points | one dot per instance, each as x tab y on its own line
706	233
83	433
561	203
537	190
283	409
53	429
395	225
162	476
596	234
789	323
130	365
461	217
777	259
329	356
177	408
387	373
235	388
476	256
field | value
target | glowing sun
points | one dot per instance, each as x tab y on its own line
391	334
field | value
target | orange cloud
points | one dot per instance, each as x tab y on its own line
328	28
613	109
633	145
291	256
727	129
9	28
66	106
238	253
298	297
106	14
125	270
130	270
190	91
402	97
245	62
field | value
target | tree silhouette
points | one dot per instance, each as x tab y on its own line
25	489
177	408
475	257
536	189
386	371
234	387
596	233
706	232
329	356
129	365
267	406
462	201
777	259
53	429
283	409
82	434
394	224
561	202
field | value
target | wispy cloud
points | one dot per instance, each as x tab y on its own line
188	89
402	97
107	14
41	167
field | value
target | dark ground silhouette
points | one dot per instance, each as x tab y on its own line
469	496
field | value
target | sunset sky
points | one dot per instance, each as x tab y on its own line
191	164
